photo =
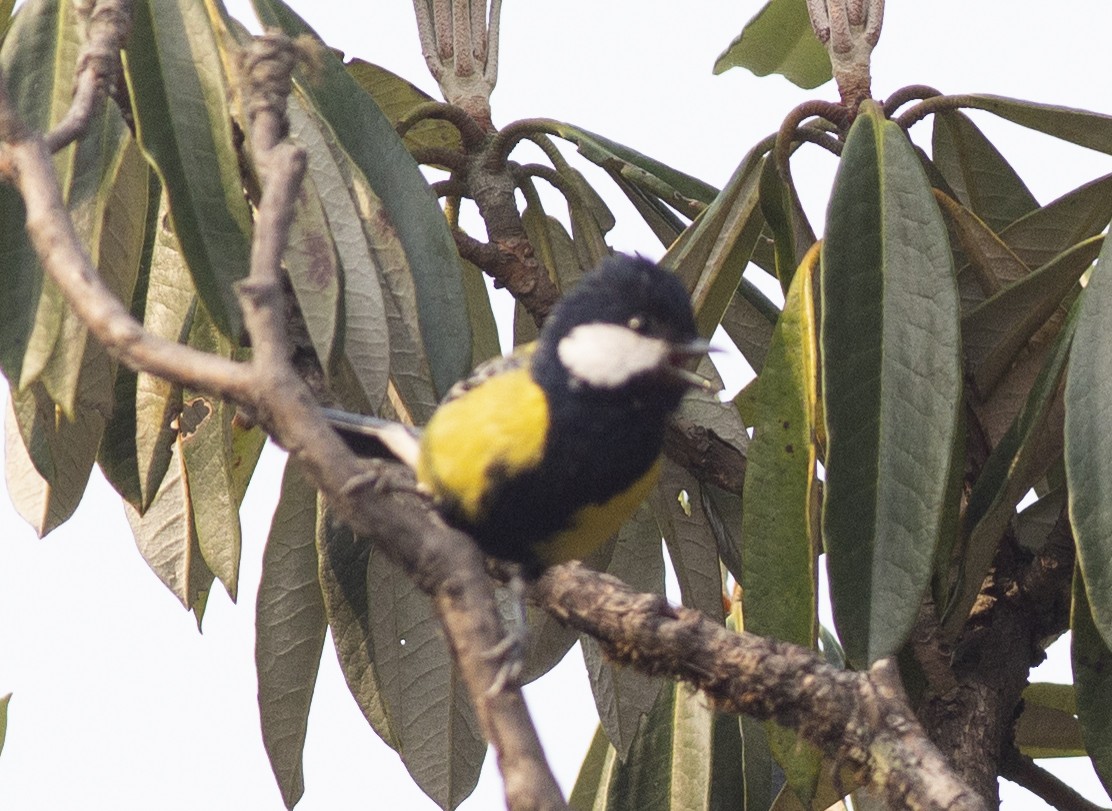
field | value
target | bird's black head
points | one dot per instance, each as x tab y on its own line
626	328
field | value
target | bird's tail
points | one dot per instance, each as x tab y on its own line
376	437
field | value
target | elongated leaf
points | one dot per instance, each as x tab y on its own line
343	578
1074	217
780	585
365	340
167	539
396	97
1081	127
409	206
786	219
1088	444
289	631
37	60
749	327
313	268
618	157
891	376
205	438
983	180
4	701
991	261
1092	674
779	39
439	736
778	574
589	791
179	97
1018	460
994	332
678	508
710	256
1048	725
623	695
684	756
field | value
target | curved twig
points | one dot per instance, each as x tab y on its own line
98	67
913	92
469	132
935	104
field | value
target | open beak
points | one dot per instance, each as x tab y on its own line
682	353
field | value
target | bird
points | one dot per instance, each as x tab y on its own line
543	455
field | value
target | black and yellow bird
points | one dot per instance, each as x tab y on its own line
542	456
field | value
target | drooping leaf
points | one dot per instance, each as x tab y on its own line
891	376
343	579
397	98
1092	675
167	539
409	208
1021	457
365	339
991	262
205	438
290	628
684	756
620	158
1074	217
984	181
4	701
792	234
438	733
37	61
1081	127
1048	725
778	574
179	97
623	695
710	256
749	326
779	39
1087	449
995	331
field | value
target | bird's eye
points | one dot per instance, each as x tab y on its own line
636	323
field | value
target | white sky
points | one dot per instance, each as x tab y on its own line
119	702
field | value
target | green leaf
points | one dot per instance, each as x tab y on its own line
623	696
48	457
891	376
410	209
205	439
710	256
1048	725
1074	217
343	579
4	701
995	331
991	262
1019	459
289	631
397	98
779	39
1092	674
749	326
365	338
983	180
1088	448
1081	127
589	791
179	97
671	185
678	508
778	574
167	539
438	733
679	759
37	62
792	234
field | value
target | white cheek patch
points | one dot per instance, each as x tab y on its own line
606	356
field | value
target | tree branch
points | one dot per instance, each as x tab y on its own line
861	719
1023	771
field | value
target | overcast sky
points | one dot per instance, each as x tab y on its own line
119	702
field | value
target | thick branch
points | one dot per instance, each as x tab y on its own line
861	719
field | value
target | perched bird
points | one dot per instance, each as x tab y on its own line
542	456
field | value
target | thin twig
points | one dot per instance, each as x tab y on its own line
1023	771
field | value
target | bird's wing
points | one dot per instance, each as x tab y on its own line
488	369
